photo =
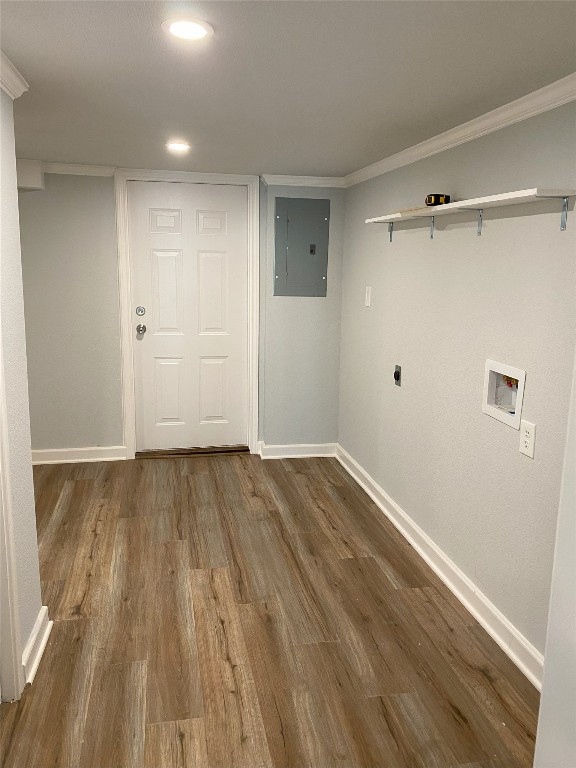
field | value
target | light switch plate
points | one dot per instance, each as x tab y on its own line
527	438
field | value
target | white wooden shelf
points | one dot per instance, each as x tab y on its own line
478	204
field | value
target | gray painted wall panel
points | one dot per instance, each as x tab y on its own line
439	309
301	345
69	262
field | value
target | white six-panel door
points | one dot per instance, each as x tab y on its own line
189	261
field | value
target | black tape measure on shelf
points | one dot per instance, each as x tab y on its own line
437	199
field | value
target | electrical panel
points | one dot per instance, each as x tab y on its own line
301	246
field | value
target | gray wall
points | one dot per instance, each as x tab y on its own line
70	287
300	341
69	265
439	309
15	386
556	739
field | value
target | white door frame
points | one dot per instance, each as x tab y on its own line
121	178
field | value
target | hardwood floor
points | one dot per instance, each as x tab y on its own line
228	612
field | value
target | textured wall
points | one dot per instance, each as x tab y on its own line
13	350
69	263
439	309
301	341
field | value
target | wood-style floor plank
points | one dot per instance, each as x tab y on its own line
278	679
88	579
198	521
227	612
174	689
416	740
176	744
256	491
114	734
233	722
58	544
49	481
151	486
127	613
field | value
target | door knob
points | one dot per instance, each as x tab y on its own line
141	329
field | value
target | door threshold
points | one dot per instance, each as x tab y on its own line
212	450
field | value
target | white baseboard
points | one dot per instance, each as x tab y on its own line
36	643
526	657
73	455
297	451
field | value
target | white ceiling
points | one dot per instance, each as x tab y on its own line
307	88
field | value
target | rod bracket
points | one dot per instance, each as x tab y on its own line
480	221
431	227
390	229
564	215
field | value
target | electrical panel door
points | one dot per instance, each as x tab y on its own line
301	246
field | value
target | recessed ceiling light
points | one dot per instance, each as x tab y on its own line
188	29
178	147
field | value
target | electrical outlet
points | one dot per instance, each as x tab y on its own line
527	438
368	296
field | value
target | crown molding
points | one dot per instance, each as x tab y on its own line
190	177
11	81
551	96
303	181
71	169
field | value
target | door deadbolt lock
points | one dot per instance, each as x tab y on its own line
140	311
140	329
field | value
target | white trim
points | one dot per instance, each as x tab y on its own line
190	177
11	675
526	657
297	451
30	174
71	169
36	644
75	455
551	96
304	181
121	178
11	81
125	303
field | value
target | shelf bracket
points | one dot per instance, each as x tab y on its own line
480	221
390	229
431	227
564	216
